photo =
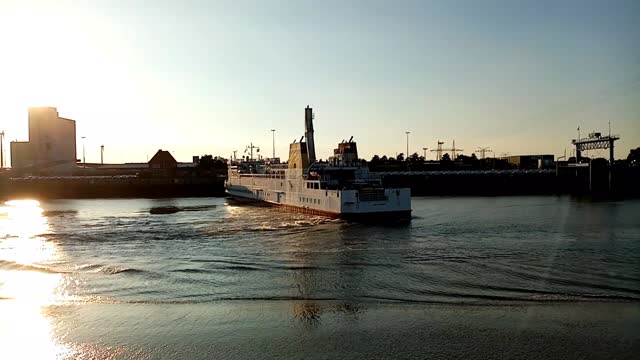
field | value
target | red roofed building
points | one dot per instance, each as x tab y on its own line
163	161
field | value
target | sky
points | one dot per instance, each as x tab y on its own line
211	77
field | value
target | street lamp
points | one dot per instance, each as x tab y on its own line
273	146
407	154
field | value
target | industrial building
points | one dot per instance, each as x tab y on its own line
51	147
530	161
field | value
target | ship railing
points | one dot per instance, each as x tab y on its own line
263	176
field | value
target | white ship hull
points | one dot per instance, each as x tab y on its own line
300	195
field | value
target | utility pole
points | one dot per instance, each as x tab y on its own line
407	154
273	146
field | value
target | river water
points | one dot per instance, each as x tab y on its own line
126	279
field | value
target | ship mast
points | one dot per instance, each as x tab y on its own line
308	126
250	147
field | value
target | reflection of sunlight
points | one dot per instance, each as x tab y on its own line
25	333
233	210
23	219
27	285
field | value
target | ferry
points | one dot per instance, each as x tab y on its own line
340	187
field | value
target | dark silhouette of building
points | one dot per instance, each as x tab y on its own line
163	160
531	161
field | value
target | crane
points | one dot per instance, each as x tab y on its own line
483	151
453	150
438	150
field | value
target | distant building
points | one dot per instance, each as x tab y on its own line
163	160
51	146
530	161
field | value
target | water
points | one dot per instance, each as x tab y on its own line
87	269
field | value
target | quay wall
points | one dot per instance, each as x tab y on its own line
625	182
117	187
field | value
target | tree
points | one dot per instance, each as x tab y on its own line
208	162
414	158
634	156
446	157
375	159
473	157
400	157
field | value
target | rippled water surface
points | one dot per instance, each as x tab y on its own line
464	251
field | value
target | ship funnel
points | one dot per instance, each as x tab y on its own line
308	127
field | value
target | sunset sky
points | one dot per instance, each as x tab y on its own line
209	77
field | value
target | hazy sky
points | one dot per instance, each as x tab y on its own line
208	77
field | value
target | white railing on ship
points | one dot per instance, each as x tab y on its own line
264	176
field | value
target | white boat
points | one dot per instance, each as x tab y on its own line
341	187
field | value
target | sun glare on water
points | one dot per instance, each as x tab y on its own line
27	285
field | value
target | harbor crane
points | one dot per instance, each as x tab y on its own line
483	151
593	142
453	150
438	150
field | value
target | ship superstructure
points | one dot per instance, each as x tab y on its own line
340	187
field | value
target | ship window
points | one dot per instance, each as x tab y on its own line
316	186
